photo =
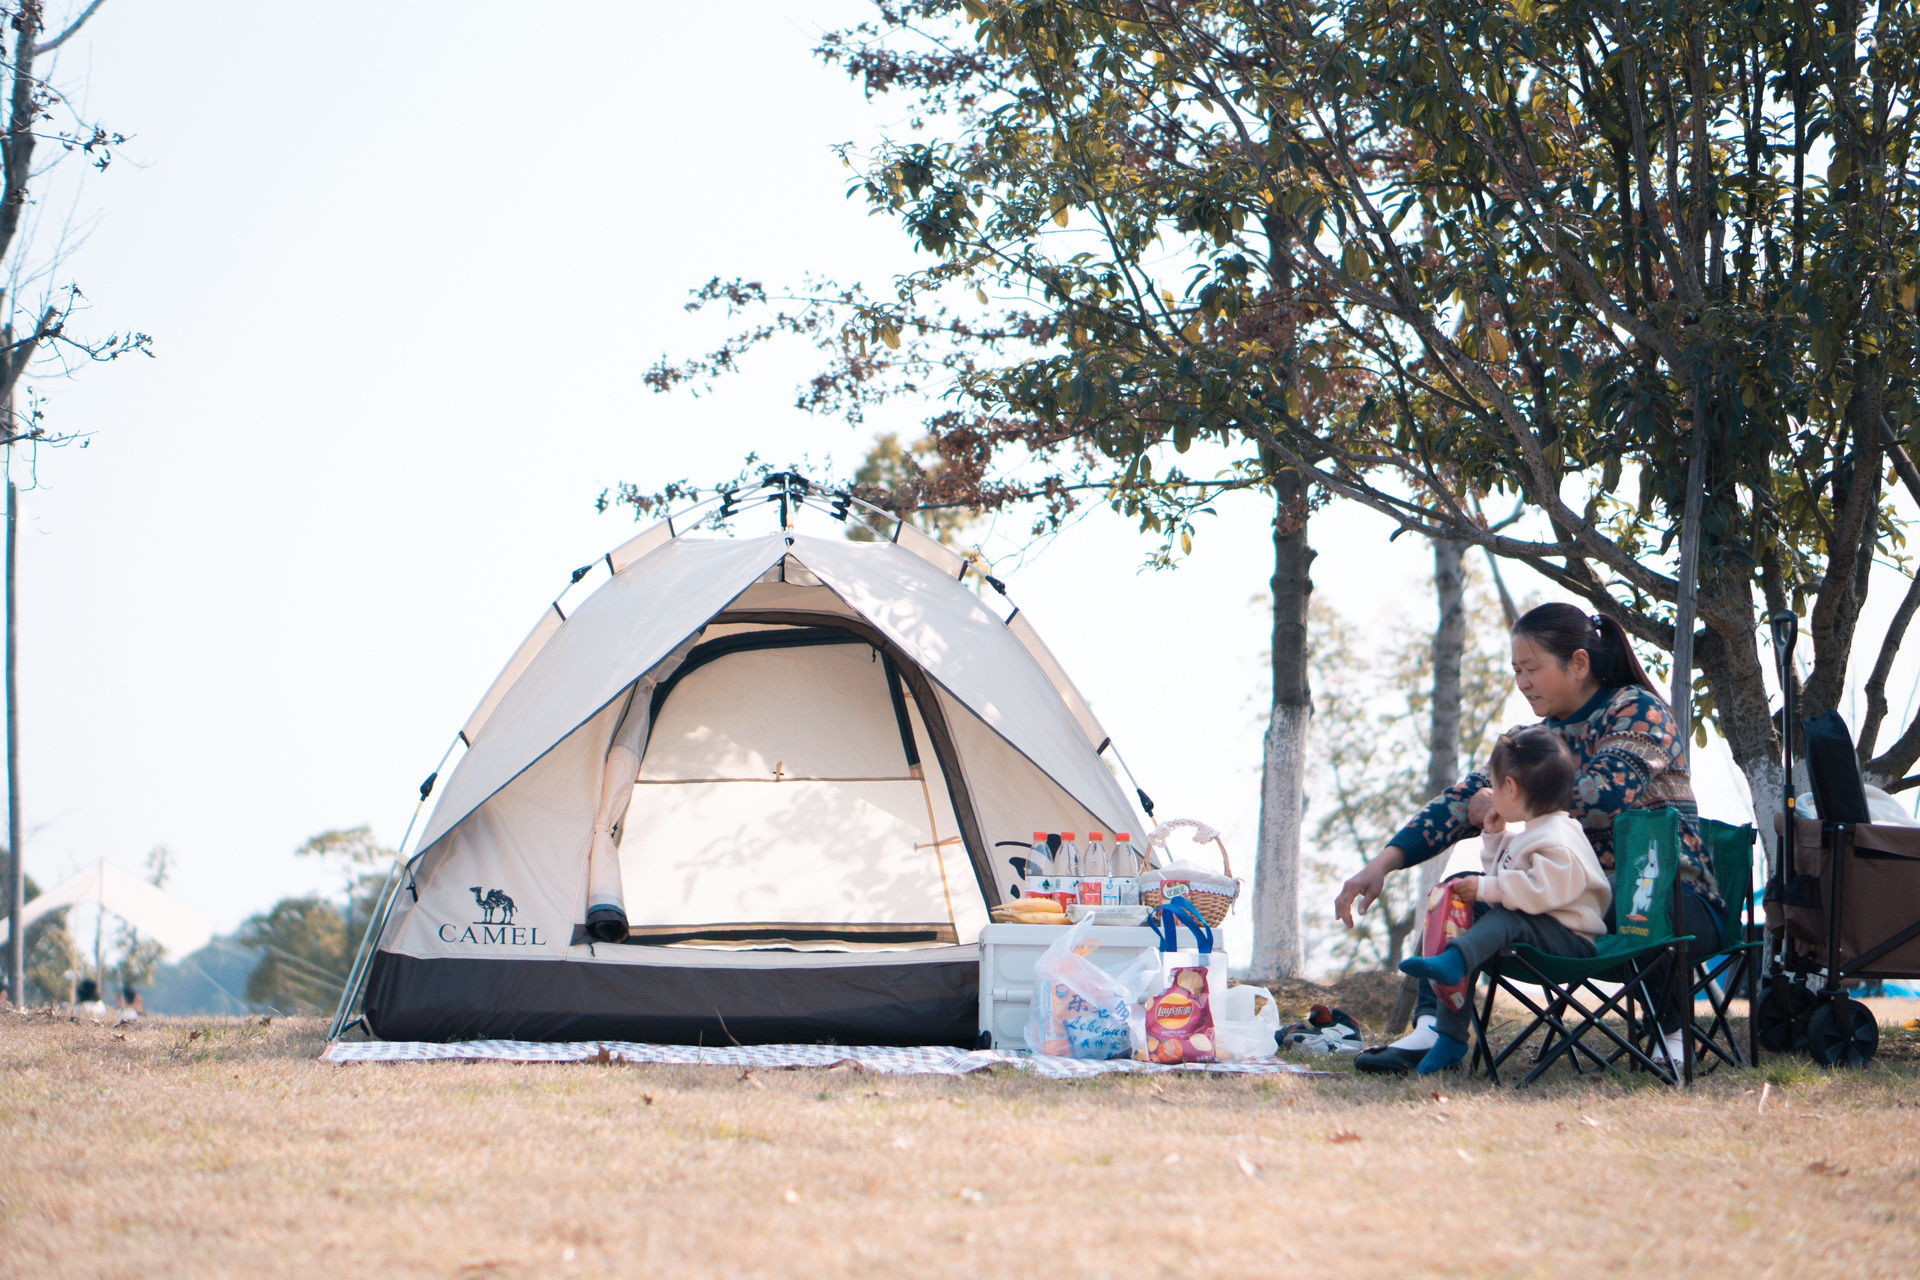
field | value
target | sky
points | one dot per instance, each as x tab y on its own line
402	285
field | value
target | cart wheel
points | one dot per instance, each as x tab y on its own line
1785	1008
1843	1033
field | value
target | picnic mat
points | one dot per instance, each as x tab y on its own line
931	1060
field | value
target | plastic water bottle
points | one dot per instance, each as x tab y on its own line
1039	861
1067	861
1126	869
1094	861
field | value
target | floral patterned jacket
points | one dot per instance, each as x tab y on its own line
1629	759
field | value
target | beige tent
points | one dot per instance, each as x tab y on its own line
760	788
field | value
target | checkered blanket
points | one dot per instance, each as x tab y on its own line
931	1060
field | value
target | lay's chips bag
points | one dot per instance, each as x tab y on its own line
1447	918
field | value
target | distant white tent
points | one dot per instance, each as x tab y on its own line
151	910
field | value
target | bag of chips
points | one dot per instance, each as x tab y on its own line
1179	1020
1447	918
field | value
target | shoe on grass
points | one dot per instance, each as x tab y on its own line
1328	1031
1389	1060
1446	1055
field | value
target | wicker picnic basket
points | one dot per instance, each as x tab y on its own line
1212	895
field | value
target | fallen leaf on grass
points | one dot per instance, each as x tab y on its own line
1590	1122
267	1021
969	1195
1826	1170
605	1057
1912	1024
192	1036
121	1036
901	1142
1462	1153
647	1098
846	1064
1343	1135
1247	1166
746	1077
1440	1098
790	1196
1765	1089
1172	1158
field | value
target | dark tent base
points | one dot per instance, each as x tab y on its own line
923	1002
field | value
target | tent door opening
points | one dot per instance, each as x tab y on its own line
785	800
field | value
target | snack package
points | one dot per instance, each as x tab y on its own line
1079	1009
1447	918
1178	1022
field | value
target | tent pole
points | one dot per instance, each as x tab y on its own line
1146	801
377	921
939	854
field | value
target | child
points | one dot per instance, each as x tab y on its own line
1542	886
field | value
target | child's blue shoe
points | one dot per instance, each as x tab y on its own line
1446	1054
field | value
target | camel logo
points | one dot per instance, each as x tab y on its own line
495	927
490	902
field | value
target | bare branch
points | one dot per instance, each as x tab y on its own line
48	46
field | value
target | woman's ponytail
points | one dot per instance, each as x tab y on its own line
1620	665
1564	630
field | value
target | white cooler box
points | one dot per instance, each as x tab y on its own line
1008	953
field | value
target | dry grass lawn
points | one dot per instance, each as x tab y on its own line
152	1151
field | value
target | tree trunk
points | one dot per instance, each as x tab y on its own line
16	863
1443	738
1736	677
1277	947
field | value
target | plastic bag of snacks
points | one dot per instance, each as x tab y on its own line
1079	1009
1177	1024
1447	918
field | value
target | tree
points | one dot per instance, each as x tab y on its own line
305	952
904	479
53	959
38	329
307	944
1382	751
1562	248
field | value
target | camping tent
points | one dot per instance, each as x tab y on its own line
752	789
151	910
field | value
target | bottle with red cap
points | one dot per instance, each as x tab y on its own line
1094	861
1039	862
1126	868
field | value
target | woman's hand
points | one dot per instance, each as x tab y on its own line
1480	812
1366	884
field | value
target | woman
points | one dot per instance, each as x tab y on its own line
1580	674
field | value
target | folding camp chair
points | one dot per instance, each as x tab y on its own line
1736	966
1646	853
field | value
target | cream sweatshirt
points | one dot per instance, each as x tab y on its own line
1547	869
